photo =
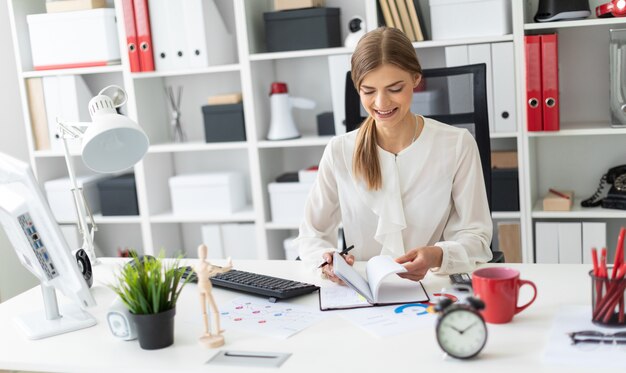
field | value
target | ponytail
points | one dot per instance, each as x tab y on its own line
365	163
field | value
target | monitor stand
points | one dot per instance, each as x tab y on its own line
38	324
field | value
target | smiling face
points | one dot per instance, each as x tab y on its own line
386	94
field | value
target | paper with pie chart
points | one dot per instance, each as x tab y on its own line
392	320
280	320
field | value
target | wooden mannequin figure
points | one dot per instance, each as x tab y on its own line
205	270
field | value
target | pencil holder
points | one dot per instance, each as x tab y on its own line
607	300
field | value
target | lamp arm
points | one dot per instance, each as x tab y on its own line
72	130
83	212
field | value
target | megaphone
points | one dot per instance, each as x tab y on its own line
282	125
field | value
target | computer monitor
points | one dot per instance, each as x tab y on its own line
42	249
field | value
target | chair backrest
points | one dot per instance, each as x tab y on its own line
453	95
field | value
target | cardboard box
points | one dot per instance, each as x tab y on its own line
287	201
452	19
504	159
207	193
553	202
73	39
297	4
61	199
510	242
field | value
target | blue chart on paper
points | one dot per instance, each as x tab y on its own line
416	309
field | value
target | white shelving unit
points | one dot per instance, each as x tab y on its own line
574	157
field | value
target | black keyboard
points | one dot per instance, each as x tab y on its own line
273	287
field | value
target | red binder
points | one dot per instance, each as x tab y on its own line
144	37
550	81
131	35
534	107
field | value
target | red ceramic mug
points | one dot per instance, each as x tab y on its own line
499	288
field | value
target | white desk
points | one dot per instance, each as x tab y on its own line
332	345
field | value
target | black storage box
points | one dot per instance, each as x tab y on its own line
118	196
326	124
504	189
224	123
298	29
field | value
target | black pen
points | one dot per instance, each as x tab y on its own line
342	252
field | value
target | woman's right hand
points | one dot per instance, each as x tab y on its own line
328	270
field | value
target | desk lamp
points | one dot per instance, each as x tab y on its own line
111	143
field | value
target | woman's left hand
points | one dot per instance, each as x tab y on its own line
419	260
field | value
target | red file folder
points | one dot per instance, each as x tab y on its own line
550	81
534	106
144	37
131	35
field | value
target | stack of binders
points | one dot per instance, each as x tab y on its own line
542	82
189	34
138	36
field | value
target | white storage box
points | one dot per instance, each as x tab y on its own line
61	200
207	193
287	201
452	19
237	241
291	249
73	39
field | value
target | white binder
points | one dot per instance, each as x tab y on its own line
502	56
235	240
481	53
338	67
67	97
547	243
594	235
570	243
161	43
459	87
176	32
208	41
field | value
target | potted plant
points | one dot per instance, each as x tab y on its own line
150	288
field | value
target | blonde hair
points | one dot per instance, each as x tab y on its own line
384	45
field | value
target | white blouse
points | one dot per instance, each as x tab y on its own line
433	194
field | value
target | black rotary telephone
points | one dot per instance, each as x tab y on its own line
616	196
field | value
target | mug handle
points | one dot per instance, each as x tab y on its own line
522	283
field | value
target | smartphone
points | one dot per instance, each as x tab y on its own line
461	279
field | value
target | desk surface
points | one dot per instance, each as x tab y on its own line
333	344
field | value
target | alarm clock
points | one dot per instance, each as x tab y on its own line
461	330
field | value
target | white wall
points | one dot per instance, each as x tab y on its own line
14	278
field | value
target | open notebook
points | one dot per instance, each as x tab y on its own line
380	287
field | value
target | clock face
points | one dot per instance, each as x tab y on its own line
461	333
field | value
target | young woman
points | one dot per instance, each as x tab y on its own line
402	184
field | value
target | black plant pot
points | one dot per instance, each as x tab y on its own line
155	330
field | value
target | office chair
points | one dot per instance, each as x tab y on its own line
454	95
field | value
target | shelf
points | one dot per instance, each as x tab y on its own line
576	23
281	226
196	146
77	71
306	140
464	41
505	215
577	212
581	129
300	54
99	219
207	70
245	215
344	50
503	135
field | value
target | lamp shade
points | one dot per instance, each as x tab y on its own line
112	142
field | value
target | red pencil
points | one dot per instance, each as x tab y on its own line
560	194
619	252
